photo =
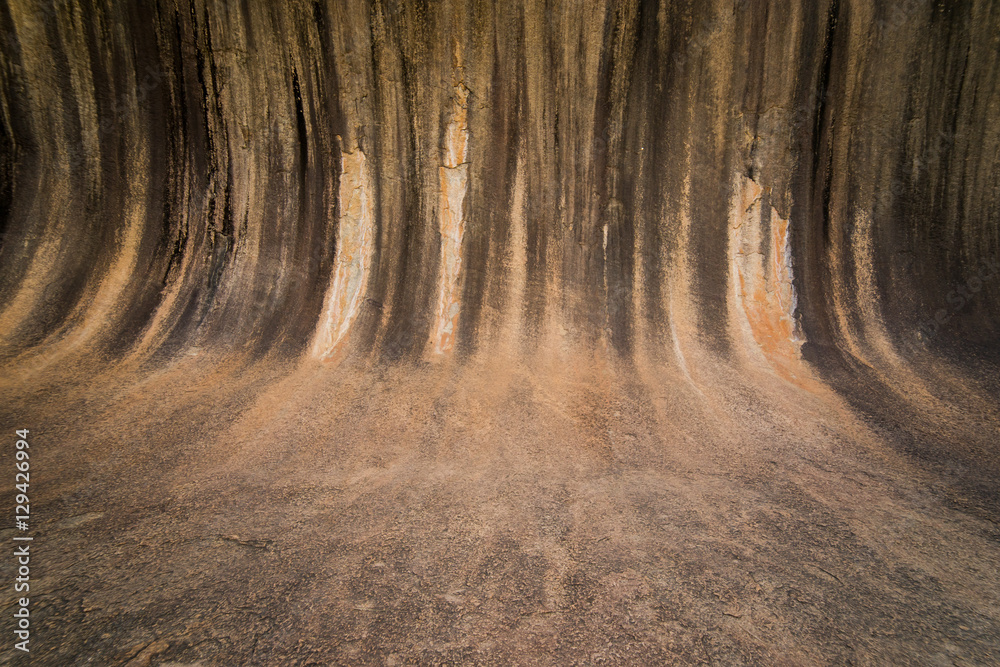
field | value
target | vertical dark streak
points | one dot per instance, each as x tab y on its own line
303	137
822	126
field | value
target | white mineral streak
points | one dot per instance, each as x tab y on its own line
762	289
352	264
683	332
516	263
454	178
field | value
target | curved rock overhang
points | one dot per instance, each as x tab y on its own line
740	224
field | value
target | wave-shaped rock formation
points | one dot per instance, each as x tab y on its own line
537	331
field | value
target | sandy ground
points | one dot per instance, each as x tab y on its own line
210	513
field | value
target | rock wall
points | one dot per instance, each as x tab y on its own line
810	188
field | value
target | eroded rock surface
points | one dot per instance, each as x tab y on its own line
504	332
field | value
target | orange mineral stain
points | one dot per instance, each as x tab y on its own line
765	290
